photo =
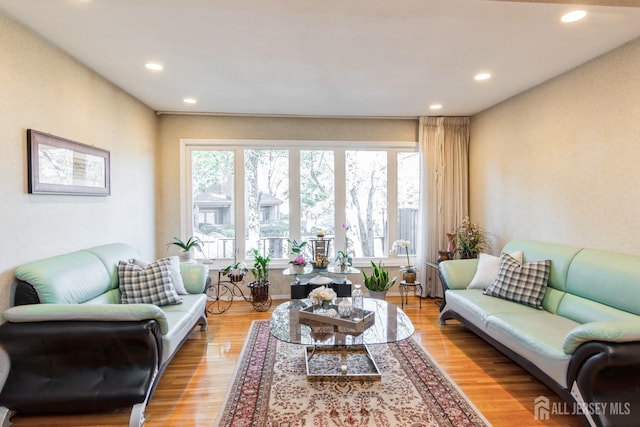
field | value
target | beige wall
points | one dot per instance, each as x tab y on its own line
561	162
44	89
172	128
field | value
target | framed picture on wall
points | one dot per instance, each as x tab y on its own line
60	166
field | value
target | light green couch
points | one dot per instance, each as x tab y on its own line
584	344
69	345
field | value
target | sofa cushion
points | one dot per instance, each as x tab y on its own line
150	284
181	319
487	272
176	276
521	283
537	336
476	307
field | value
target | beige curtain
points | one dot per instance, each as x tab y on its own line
444	189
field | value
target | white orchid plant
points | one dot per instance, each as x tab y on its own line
397	246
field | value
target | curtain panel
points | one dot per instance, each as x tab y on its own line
444	189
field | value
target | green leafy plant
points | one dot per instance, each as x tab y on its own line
238	267
260	268
379	280
192	243
295	247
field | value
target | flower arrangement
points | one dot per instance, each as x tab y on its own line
322	295
299	261
399	244
470	239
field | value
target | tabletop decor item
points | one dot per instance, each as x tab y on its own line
322	296
298	264
470	239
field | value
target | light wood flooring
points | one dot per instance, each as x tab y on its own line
194	384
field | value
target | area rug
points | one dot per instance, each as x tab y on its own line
270	388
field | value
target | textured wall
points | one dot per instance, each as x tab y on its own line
172	128
560	162
41	88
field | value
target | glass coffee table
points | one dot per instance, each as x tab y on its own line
333	351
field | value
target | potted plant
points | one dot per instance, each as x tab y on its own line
298	264
260	286
378	283
409	272
187	247
296	248
470	239
342	259
236	271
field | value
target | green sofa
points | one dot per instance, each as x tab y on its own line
69	345
585	341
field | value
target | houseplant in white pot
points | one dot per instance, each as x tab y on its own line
187	248
378	283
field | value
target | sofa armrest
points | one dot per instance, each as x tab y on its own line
78	366
86	312
618	332
458	273
194	277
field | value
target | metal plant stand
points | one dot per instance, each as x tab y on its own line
220	295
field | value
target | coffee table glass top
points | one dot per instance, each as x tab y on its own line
391	324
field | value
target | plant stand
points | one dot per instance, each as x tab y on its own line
220	295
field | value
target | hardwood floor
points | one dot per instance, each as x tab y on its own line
194	384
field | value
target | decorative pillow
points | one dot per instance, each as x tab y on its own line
487	271
521	283
150	284
176	275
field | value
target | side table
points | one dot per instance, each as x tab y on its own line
404	292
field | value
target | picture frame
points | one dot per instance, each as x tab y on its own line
60	166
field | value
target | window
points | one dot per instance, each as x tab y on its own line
246	195
266	201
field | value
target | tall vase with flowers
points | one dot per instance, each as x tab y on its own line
408	271
470	239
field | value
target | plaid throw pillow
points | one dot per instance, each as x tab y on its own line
521	283
150	284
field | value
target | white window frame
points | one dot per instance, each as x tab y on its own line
392	148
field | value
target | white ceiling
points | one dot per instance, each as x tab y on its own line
325	57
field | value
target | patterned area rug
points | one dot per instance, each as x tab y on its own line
270	388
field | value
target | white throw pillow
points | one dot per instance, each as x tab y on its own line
487	272
176	276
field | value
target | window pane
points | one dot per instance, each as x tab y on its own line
267	201
366	201
408	196
317	195
213	206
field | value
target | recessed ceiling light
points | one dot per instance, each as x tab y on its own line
573	16
189	100
154	66
482	76
435	106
